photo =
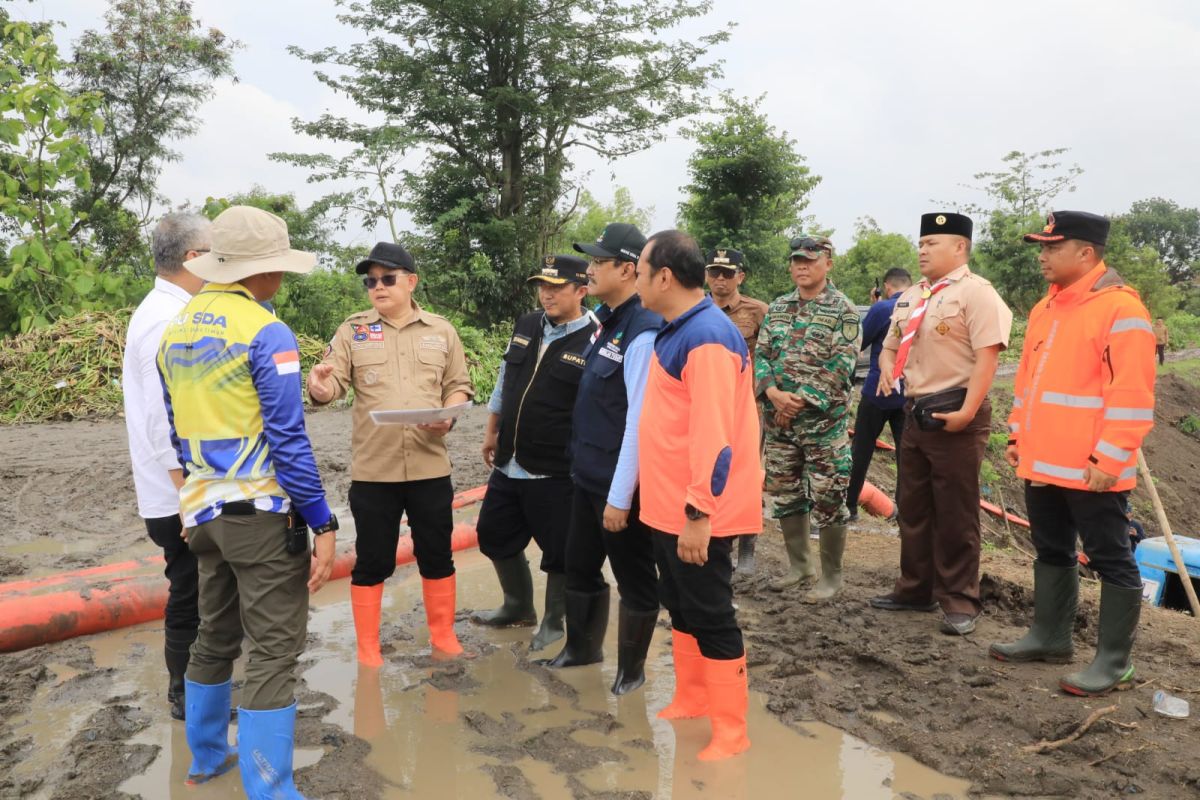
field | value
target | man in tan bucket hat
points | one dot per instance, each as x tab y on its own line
231	378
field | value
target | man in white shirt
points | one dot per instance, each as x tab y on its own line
157	474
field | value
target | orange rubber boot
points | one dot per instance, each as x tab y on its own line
367	602
728	701
691	693
439	614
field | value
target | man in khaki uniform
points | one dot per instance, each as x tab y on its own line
1162	337
397	356
725	274
946	337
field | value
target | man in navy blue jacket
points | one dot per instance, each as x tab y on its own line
873	411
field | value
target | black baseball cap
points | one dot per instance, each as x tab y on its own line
558	270
387	254
1061	225
725	258
620	240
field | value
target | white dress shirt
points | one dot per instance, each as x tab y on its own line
150	446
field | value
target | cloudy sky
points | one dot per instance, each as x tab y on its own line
892	102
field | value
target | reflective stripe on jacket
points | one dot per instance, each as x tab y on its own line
1084	392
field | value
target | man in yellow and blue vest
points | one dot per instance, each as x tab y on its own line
231	380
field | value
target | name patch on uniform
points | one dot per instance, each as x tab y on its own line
824	319
520	341
612	355
902	305
574	358
433	343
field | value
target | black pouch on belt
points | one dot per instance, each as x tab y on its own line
941	402
297	534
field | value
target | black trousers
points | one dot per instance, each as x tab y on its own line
631	553
377	508
183	594
868	424
1057	516
700	598
515	511
1160	350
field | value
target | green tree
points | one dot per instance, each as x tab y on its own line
748	189
586	221
502	94
152	67
43	159
372	167
1143	269
1171	230
873	253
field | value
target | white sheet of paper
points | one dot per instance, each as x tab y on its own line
418	416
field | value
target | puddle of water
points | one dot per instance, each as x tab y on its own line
431	742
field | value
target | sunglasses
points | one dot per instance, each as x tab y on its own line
387	280
720	272
808	243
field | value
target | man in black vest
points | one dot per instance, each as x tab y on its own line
529	429
604	516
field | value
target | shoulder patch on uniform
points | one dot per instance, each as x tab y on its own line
851	326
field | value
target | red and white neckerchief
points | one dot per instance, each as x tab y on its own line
914	322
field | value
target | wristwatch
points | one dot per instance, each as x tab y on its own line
328	527
693	513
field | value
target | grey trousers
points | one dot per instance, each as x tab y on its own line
252	588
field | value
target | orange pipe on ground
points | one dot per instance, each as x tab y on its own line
461	500
996	511
86	605
875	501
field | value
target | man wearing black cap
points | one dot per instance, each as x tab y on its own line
1083	401
947	334
725	274
605	522
528	433
397	356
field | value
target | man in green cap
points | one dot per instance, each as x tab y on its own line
804	372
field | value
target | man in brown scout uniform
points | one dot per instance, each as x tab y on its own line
725	274
397	356
947	334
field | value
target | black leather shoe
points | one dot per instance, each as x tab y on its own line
890	602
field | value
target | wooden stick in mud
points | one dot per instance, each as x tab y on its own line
1004	508
1047	746
1165	524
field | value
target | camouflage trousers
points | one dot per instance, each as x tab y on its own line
808	473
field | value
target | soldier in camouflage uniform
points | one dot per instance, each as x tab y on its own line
804	371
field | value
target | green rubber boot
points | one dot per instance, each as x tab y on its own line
796	529
1055	598
833	545
1112	667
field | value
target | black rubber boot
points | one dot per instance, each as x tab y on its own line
745	559
587	620
1112	668
551	629
517	584
176	650
1055	598
635	629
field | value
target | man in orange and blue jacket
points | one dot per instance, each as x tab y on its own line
700	483
1083	402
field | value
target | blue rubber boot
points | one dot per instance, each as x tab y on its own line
207	727
265	741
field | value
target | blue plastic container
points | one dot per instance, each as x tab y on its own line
1161	584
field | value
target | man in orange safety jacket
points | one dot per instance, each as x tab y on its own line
1083	403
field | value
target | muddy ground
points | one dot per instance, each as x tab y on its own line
889	679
